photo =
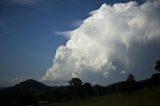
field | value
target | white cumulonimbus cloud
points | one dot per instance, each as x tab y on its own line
106	38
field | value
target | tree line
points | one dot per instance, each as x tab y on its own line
23	96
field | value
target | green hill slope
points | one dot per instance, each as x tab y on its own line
146	97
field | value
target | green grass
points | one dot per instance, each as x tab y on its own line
145	97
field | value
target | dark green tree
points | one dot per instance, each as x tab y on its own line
75	82
131	84
156	76
87	89
131	78
157	66
76	87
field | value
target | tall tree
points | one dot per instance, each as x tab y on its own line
131	78
87	89
75	82
157	66
76	87
131	84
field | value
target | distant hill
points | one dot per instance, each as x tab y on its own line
26	86
29	91
32	84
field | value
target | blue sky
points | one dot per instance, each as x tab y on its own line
28	39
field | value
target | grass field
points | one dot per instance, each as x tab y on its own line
145	97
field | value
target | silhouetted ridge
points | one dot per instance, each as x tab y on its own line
31	84
31	92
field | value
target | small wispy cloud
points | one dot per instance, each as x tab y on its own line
28	2
29	53
4	32
4	23
12	81
77	23
66	34
123	72
17	80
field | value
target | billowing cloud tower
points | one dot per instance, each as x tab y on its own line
111	39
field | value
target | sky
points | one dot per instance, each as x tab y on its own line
99	41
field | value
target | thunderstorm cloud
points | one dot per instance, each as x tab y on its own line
112	39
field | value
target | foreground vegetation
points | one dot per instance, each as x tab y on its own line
146	97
